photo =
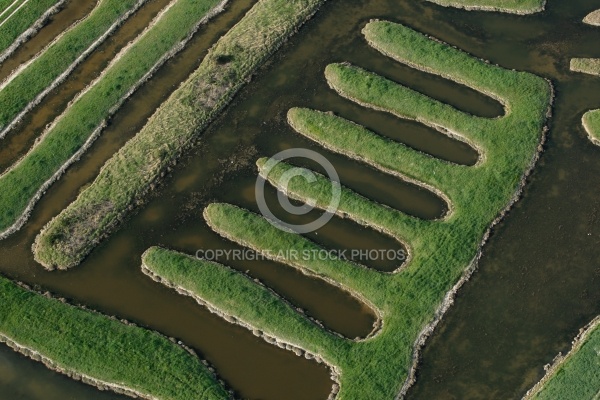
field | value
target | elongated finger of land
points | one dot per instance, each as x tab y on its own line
521	7
237	297
72	132
129	174
23	22
254	231
26	87
100	350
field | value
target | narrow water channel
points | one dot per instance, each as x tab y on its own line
23	135
222	168
72	11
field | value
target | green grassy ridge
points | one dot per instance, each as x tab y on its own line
591	119
128	175
328	129
103	348
577	377
457	65
249	229
235	294
69	135
438	57
441	250
38	75
22	20
389	351
404	228
508	6
589	66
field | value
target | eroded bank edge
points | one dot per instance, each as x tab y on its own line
305	12
87	379
32	30
271	339
560	360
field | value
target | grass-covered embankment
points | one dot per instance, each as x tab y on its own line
103	351
16	22
443	252
575	376
129	174
593	18
591	123
230	293
508	6
591	119
23	183
25	88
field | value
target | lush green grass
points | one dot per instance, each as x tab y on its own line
73	129
236	295
593	18
591	119
257	233
21	21
591	122
5	3
441	250
577	377
24	88
128	175
105	349
509	6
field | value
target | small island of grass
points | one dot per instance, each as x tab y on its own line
593	18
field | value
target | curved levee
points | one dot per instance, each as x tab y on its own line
73	132
102	351
22	20
130	174
443	253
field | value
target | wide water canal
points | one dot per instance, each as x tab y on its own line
538	282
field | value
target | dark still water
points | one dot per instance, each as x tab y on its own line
537	284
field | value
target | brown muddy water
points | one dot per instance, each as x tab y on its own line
537	284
